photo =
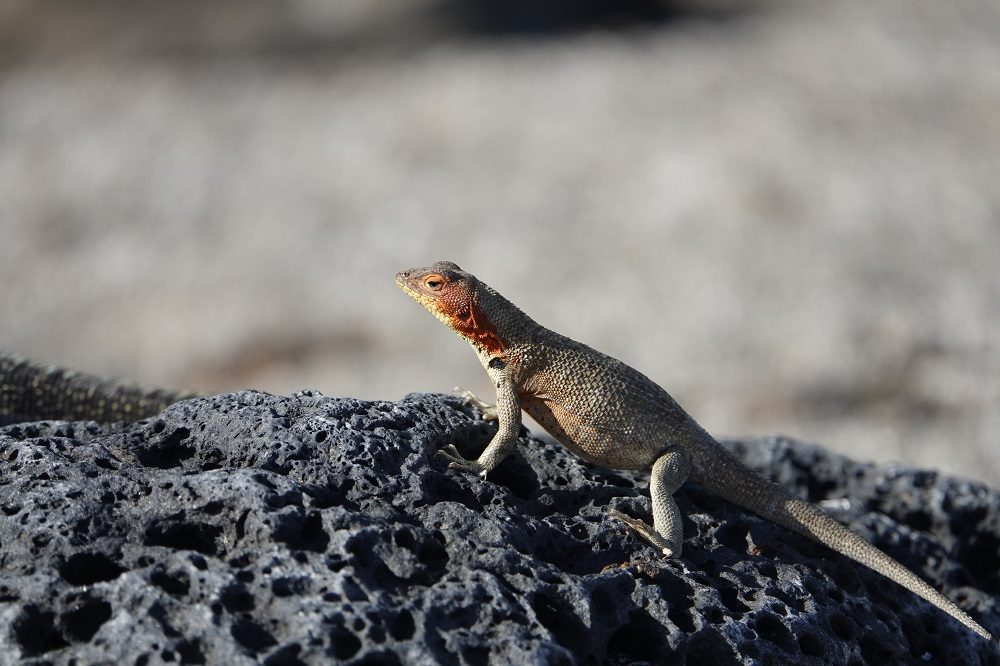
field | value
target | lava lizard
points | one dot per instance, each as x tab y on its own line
31	391
610	414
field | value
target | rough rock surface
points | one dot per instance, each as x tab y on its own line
250	528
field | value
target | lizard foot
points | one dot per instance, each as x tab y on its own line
488	411
665	547
456	461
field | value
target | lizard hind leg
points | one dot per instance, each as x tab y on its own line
488	411
666	535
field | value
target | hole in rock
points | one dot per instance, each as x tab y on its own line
87	616
185	536
343	643
811	645
286	655
639	639
190	652
89	568
402	627
557	616
303	533
252	636
709	647
170	451
35	631
770	628
236	599
176	584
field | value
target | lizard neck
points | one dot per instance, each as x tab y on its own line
495	325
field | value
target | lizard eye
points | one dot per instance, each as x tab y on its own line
433	282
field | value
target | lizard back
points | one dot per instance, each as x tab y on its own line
626	425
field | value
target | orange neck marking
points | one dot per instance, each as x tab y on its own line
473	323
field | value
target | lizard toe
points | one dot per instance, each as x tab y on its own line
648	534
456	461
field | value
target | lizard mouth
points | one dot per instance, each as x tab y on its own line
403	282
411	287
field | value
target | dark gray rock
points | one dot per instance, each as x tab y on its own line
250	528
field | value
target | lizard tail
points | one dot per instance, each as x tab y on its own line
731	480
33	392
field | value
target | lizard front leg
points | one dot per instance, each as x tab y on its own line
667	535
508	417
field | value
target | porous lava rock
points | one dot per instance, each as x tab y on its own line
251	528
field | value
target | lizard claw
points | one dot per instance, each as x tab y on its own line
456	461
653	537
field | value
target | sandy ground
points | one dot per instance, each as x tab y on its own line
788	216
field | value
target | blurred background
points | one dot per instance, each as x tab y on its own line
787	213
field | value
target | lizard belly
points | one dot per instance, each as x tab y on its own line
603	446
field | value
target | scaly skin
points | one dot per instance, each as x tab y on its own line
612	415
33	392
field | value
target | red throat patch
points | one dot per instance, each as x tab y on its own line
470	321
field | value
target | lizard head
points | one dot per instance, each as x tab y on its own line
453	296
